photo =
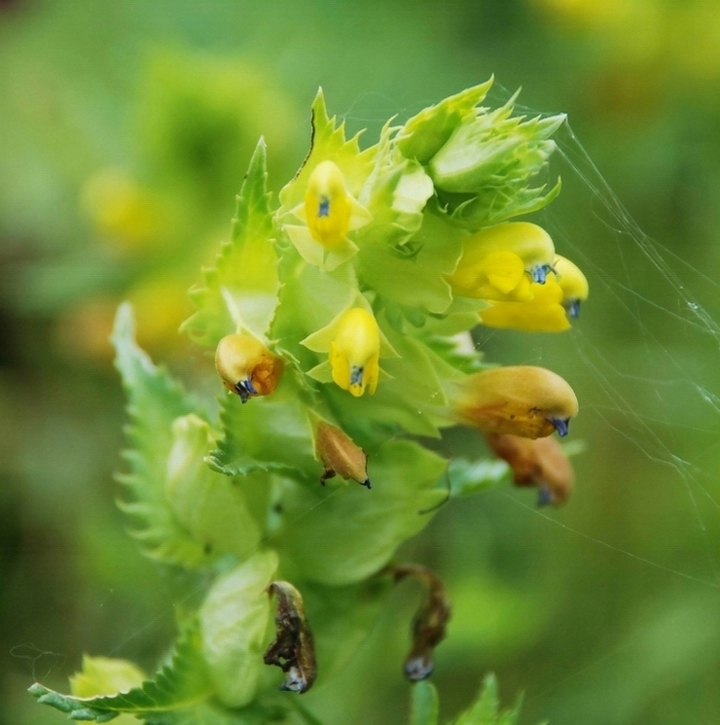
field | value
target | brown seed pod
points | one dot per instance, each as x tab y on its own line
340	455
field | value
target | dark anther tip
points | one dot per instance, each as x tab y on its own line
418	668
561	426
544	496
367	483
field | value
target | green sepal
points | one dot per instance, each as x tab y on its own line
342	533
486	708
424	703
424	134
180	684
239	293
234	620
155	401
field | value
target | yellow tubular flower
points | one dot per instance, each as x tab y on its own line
500	262
573	283
355	352
543	313
521	400
246	367
328	206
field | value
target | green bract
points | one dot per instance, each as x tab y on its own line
347	282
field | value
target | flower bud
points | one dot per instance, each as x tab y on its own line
339	455
541	463
293	650
247	367
500	262
355	352
328	206
573	283
522	400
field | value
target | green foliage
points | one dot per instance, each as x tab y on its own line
179	685
486	708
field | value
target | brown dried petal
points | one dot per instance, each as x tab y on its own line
293	650
340	455
430	622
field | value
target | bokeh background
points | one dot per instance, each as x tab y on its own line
125	130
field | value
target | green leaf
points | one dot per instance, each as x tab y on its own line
266	434
486	708
181	683
424	134
343	533
207	504
234	620
470	477
155	401
412	276
424	707
239	293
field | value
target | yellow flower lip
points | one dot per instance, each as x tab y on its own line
500	262
522	400
246	367
355	352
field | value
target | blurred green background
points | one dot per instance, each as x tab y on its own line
125	130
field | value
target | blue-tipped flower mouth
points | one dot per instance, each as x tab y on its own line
562	425
367	483
245	390
545	497
324	207
356	374
540	272
573	309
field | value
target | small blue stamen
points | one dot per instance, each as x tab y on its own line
324	208
561	425
540	272
573	309
544	495
356	375
245	390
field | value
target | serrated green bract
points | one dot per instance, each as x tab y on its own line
469	477
486	709
239	293
425	134
180	684
424	705
233	622
206	503
342	534
155	401
265	435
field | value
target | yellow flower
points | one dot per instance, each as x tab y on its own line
521	400
247	367
330	212
355	352
327	205
573	283
500	262
543	313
